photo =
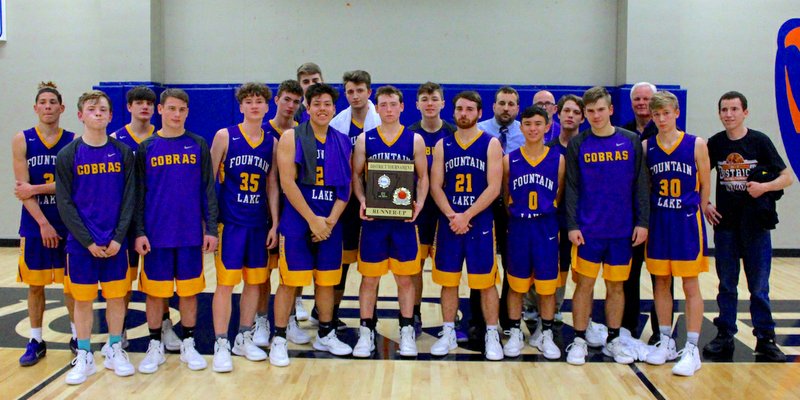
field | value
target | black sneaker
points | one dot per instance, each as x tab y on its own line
73	346
769	351
722	345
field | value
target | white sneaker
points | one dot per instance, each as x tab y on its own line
494	350
577	351
638	349
191	357
689	362
617	350
117	360
82	368
300	311
168	336
596	334
446	342
153	357
408	341
548	347
243	346
664	351
222	356
366	343
278	352
515	343
332	344
295	334
261	332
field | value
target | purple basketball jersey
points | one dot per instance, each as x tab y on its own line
532	183
41	159
243	191
673	174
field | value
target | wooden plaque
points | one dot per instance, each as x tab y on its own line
390	189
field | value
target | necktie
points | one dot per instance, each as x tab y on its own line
503	137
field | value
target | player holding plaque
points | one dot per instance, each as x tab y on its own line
389	244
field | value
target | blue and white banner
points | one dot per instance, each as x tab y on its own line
787	88
3	20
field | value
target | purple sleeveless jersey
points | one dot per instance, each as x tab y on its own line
41	160
465	173
673	174
243	191
533	184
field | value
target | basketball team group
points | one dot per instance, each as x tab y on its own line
525	191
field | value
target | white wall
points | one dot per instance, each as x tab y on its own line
446	41
709	47
76	44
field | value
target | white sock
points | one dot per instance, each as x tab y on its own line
451	325
36	333
74	331
491	328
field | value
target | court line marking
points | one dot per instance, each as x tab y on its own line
647	383
46	382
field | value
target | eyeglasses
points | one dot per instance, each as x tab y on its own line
544	104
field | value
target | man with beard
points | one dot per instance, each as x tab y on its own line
465	180
505	127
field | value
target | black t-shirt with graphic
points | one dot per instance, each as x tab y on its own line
733	161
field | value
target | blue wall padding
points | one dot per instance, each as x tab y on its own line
214	106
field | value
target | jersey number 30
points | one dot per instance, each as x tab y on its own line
669	187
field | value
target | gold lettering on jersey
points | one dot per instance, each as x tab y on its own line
605	156
98	168
173	159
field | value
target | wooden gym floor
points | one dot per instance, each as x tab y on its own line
462	375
